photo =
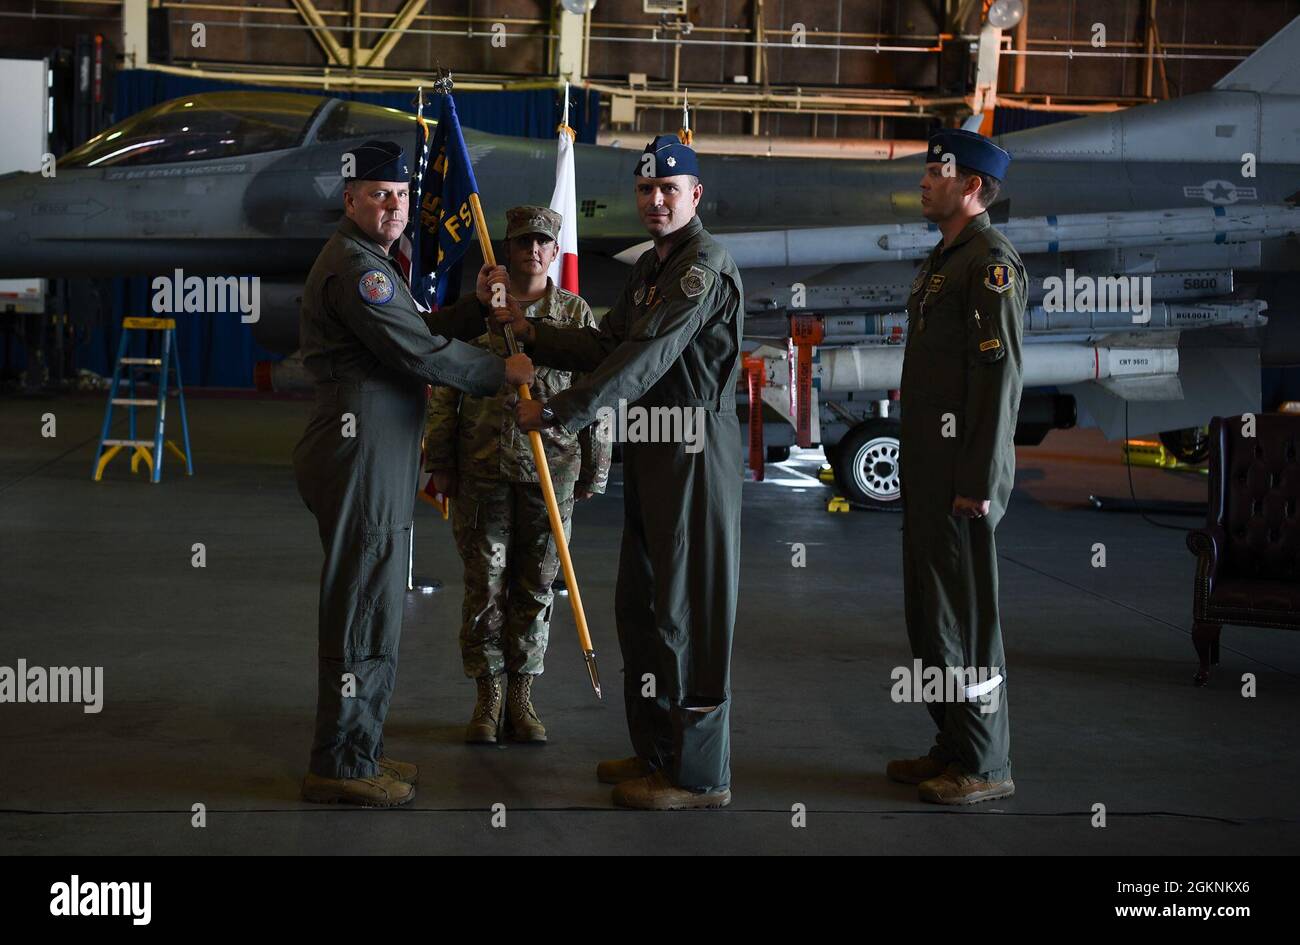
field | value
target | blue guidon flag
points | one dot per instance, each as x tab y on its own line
443	227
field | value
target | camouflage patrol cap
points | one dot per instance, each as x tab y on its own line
523	220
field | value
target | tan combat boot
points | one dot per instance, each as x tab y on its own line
656	792
521	718
914	770
486	721
624	769
956	786
379	791
399	770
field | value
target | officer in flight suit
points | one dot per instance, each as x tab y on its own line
960	395
370	353
672	339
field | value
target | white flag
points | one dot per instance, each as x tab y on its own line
564	201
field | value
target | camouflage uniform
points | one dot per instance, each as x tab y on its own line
499	516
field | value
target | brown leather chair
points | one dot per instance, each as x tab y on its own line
1248	554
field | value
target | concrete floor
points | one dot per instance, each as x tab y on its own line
209	673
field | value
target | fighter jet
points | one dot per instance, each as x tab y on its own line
1181	216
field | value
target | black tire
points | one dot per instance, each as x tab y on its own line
866	465
778	454
1190	445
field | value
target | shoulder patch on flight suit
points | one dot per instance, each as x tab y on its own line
376	287
936	283
916	283
638	295
998	277
695	282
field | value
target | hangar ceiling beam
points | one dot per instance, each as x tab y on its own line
397	27
328	44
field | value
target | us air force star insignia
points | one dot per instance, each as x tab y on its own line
375	287
998	277
694	282
672	161
638	295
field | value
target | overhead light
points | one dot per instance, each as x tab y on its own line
578	7
1004	14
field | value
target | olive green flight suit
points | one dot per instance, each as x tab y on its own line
357	464
960	395
671	340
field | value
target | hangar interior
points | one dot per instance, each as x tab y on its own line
1156	140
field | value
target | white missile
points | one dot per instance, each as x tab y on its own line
880	367
837	245
848	329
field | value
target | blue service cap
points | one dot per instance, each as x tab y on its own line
668	158
970	150
380	160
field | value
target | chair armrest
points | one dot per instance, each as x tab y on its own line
1205	543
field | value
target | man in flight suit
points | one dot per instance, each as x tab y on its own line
671	340
960	395
370	353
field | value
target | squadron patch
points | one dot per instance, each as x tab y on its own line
694	282
991	345
998	277
639	294
376	287
936	283
916	283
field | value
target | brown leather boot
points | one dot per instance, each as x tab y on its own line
914	770
399	770
485	723
379	791
656	792
956	786
522	722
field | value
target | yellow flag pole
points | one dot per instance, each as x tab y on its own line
544	476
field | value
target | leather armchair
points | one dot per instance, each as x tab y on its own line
1248	553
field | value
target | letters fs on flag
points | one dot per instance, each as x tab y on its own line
564	271
443	225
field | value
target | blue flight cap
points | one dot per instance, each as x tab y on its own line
380	160
666	156
970	150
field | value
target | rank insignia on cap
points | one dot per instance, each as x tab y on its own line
694	282
998	277
672	161
376	287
